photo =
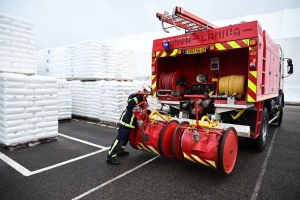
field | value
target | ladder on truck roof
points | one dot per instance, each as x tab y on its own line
185	20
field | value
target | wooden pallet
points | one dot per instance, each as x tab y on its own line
26	74
29	144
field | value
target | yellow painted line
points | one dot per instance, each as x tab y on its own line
252	86
234	45
219	46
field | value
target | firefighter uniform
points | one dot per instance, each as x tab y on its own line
127	122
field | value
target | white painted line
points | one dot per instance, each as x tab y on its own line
116	178
15	165
82	141
75	120
91	123
263	169
66	162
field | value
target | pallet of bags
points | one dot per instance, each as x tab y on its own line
28	108
113	99
17	54
77	97
51	62
64	99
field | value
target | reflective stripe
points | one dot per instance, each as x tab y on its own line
246	41
152	149
136	100
252	86
250	99
157	53
234	45
219	46
113	146
254	73
212	163
127	125
187	157
174	52
199	160
164	54
145	148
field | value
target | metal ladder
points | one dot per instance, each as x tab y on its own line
181	18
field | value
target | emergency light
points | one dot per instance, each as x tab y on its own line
166	46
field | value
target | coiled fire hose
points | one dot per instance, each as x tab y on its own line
165	81
230	85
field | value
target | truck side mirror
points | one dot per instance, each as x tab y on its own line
290	66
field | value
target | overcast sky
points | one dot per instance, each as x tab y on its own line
63	22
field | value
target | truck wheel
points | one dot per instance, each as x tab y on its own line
165	139
228	151
260	143
132	136
176	141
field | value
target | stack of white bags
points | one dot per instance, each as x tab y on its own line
28	108
64	99
102	100
153	102
125	64
77	97
90	60
16	45
113	99
51	62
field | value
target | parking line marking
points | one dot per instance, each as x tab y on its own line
26	172
15	165
263	169
82	141
116	178
66	162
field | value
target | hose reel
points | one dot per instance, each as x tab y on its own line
232	85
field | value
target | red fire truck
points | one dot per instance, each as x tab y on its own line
218	83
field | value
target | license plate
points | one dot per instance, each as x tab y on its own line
196	50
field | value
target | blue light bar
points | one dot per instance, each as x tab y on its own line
166	46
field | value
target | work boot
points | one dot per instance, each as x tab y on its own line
112	153
122	152
112	160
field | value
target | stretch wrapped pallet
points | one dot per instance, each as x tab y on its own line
90	60
28	108
51	62
64	99
17	52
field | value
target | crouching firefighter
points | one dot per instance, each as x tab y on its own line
127	122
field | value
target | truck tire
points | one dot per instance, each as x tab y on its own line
260	143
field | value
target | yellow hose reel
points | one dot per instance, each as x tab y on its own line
231	85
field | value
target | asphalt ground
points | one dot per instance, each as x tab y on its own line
74	167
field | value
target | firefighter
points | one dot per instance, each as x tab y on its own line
127	122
